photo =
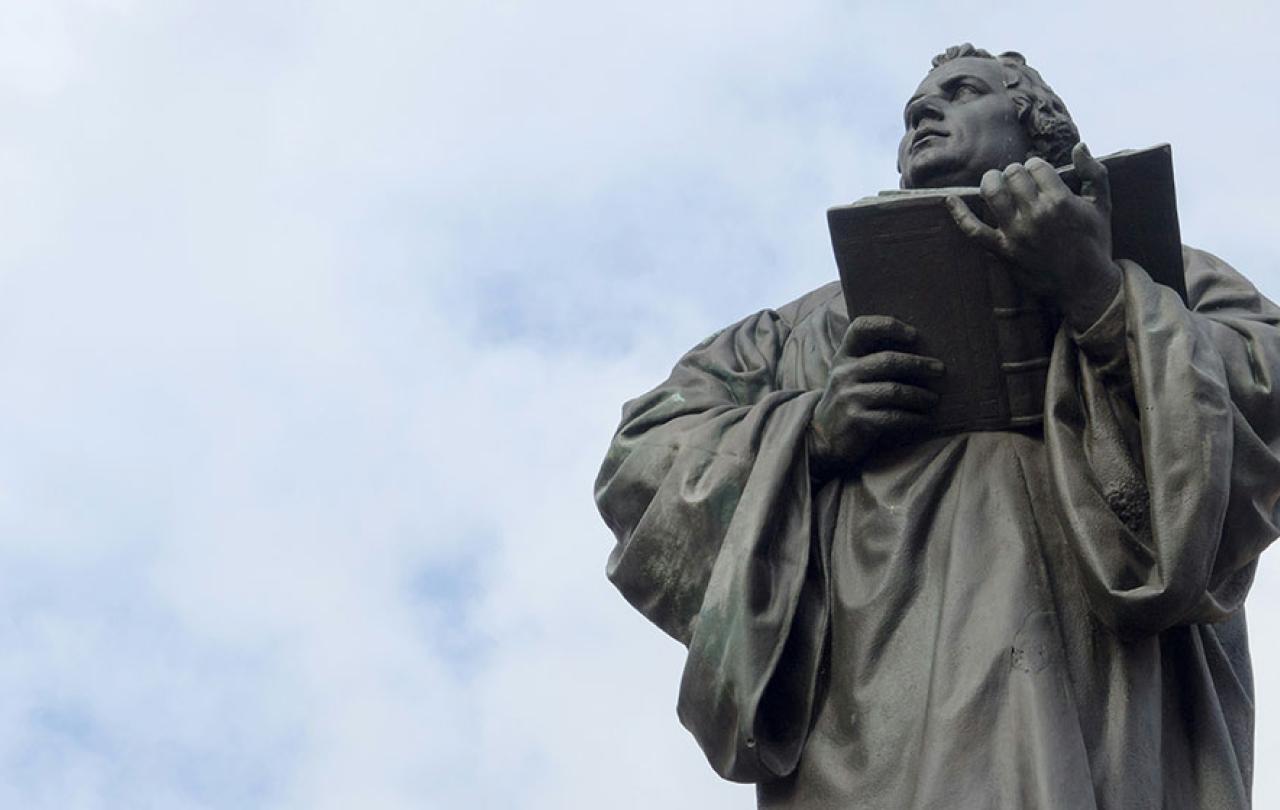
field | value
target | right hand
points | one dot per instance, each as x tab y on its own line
876	391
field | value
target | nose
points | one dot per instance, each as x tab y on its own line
922	108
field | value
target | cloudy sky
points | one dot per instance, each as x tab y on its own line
316	317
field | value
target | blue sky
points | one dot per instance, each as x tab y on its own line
316	317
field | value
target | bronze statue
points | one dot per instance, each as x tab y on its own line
882	617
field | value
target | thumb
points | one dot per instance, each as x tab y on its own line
1095	186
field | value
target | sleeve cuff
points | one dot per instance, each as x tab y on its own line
1104	342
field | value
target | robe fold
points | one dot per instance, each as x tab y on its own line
1038	619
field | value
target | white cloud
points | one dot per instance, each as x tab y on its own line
314	323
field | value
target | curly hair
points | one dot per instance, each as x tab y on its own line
1048	124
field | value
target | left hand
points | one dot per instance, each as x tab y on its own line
1059	241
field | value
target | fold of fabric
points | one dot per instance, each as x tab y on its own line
996	620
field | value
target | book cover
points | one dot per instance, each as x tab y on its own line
901	254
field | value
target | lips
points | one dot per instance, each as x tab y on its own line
923	134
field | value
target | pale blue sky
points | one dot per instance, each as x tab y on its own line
315	319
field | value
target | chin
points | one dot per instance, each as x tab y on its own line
931	179
933	171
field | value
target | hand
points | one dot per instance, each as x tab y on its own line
874	392
1059	241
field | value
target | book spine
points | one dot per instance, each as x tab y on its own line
1025	330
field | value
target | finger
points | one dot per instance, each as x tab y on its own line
867	333
973	227
1022	188
1095	185
885	366
996	192
890	422
896	396
1047	180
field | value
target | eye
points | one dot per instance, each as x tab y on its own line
966	90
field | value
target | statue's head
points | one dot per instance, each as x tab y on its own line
976	112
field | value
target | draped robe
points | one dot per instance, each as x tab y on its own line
1039	619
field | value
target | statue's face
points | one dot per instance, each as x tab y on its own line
960	123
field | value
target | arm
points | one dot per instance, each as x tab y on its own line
677	468
713	487
1161	423
707	489
1171	416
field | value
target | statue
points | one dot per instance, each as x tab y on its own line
1050	617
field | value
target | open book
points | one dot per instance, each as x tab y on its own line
901	254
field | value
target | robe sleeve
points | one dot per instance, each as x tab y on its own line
706	487
1163	435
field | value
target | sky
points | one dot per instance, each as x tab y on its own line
316	319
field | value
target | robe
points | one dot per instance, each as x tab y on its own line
1048	618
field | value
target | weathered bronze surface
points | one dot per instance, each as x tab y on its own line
879	616
900	254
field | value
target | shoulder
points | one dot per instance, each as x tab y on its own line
810	309
818	303
1215	287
